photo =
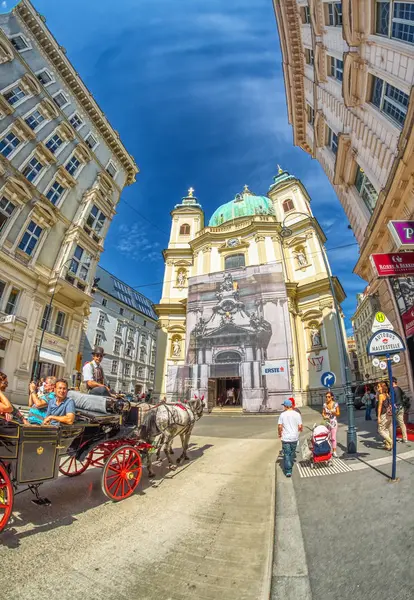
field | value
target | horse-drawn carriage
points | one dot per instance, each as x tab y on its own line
106	434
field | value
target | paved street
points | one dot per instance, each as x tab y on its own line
204	531
350	533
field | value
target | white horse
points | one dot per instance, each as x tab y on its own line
168	421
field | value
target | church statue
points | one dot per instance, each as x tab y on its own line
181	277
315	337
176	348
227	284
301	258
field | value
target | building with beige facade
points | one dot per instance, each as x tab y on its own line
62	169
247	315
349	72
362	321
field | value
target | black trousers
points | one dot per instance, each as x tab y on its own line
99	391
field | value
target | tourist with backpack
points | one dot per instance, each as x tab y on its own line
399	409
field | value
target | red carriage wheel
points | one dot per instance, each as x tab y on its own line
72	466
122	473
6	497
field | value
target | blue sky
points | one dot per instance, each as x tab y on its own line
196	91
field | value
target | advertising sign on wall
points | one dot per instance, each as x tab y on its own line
402	233
394	264
408	322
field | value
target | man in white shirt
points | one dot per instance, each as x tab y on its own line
93	374
289	426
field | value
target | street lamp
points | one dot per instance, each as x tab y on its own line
351	434
44	325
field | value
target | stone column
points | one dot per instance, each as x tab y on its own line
206	259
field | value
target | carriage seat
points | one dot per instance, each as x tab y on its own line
89	404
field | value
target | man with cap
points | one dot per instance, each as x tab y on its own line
93	375
289	426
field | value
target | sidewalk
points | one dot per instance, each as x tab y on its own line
347	532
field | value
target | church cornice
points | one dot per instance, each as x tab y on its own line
321	286
263	225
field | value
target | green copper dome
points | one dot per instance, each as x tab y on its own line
243	205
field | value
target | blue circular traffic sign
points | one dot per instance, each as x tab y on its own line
328	379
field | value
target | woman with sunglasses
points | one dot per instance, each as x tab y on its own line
331	412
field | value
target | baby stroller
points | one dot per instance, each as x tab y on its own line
321	446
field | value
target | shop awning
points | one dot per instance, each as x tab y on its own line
50	356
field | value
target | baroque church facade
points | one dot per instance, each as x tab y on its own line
247	316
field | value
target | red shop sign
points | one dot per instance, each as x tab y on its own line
408	321
395	264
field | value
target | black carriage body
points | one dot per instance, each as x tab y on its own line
32	453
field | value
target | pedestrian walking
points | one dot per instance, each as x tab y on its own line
330	413
367	399
385	415
399	409
289	426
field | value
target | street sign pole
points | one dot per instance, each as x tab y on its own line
394	421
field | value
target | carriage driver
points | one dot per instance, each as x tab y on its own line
93	374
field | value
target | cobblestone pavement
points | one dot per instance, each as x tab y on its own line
204	531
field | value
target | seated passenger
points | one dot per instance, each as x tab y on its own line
7	410
39	401
93	375
61	409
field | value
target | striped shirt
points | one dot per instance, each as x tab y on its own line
36	415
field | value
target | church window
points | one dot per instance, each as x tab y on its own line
288	205
234	261
185	229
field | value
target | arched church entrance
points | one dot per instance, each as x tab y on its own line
226	383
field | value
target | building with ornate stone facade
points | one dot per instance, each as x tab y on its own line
349	72
362	321
62	169
246	315
123	323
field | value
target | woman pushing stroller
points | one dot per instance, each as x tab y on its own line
330	413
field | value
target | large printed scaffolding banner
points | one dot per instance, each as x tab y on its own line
237	331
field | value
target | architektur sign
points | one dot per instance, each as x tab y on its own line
394	264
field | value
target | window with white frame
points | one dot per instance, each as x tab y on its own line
141	372
111	169
127	369
76	121
55	192
60	323
142	354
366	190
7	208
98	339
117	346
72	166
30	238
310	113
20	43
14	95
91	141
395	19
121	311
60	99
9	143
334	14
32	169
46	317
101	321
81	263
151	375
54	143
389	100
336	68
104	302
12	301
129	349
114	368
332	140
119	328
34	119
305	14
96	219
309	57
2	288
45	77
